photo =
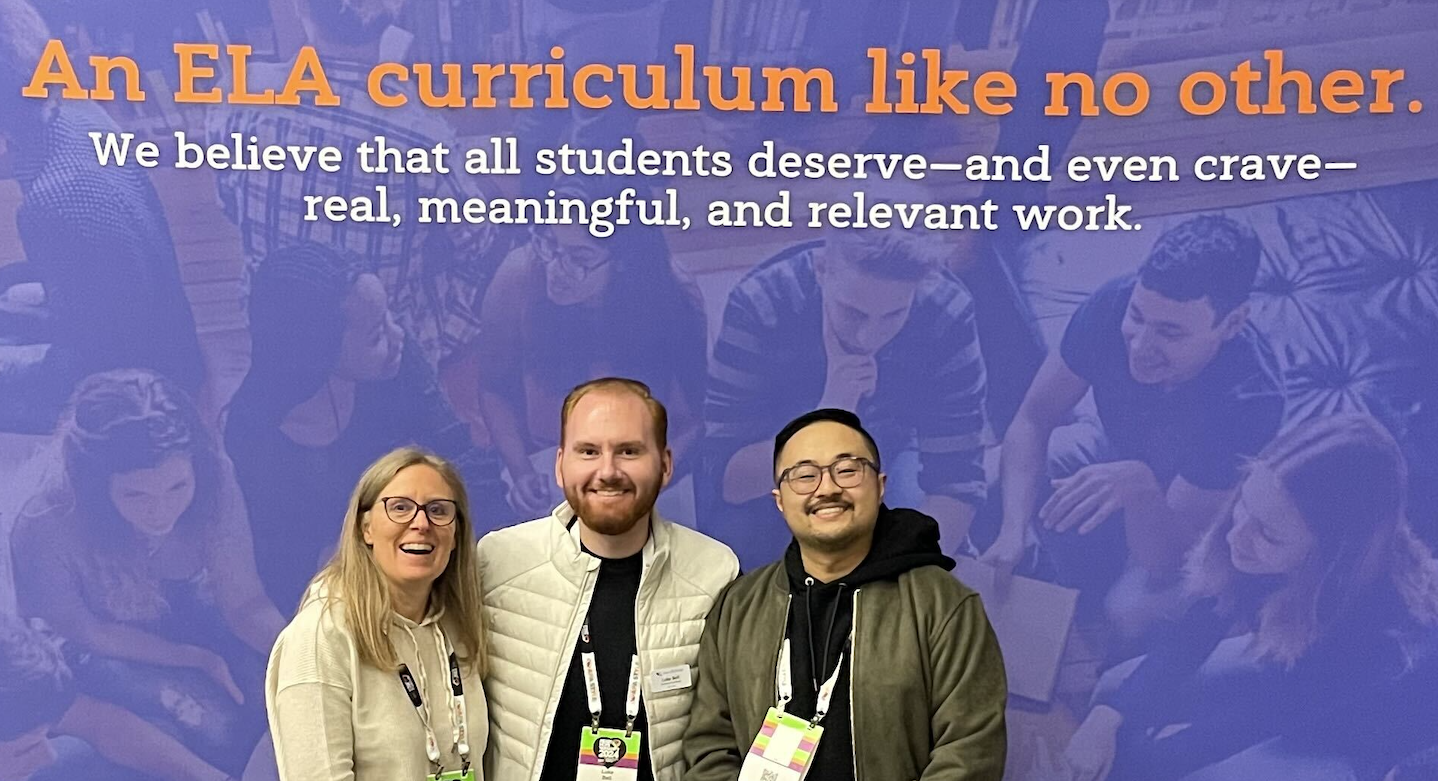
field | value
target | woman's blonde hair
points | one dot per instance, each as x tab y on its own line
1348	480
354	580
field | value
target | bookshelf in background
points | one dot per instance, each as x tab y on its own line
751	31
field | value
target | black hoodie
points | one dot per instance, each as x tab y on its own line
821	615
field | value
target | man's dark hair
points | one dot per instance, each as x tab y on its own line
1210	256
841	416
36	685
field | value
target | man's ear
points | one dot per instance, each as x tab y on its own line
668	469
824	260
1234	321
778	501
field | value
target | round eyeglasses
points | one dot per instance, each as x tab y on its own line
848	472
579	262
402	509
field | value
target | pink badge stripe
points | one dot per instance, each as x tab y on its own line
629	761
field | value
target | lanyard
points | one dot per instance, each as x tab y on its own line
458	713
591	684
784	681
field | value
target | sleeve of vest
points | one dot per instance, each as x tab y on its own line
711	749
970	691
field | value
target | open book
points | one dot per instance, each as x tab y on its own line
1032	622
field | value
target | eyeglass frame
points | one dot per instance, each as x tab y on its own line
829	468
548	251
383	502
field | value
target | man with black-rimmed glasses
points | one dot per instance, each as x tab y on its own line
884	666
863	320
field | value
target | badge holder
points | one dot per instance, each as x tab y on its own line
609	755
785	746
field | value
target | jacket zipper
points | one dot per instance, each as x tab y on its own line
853	675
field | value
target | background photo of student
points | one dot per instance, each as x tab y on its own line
117	268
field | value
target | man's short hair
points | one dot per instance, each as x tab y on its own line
1209	257
36	685
23	34
840	416
891	253
656	408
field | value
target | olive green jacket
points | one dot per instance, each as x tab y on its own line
927	683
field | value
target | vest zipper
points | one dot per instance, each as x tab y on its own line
638	622
542	750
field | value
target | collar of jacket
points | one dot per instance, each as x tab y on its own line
568	553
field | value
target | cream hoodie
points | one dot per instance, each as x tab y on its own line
335	719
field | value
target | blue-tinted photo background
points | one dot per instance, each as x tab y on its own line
192	376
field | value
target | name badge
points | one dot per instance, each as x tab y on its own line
608	755
783	750
671	678
452	775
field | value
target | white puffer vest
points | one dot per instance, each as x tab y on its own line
537	586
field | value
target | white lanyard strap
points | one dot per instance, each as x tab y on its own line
631	700
458	712
591	686
783	678
784	682
826	694
411	688
459	725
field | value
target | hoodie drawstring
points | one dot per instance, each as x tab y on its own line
422	678
814	670
421	673
439	648
809	623
829	633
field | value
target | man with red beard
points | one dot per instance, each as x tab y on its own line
594	612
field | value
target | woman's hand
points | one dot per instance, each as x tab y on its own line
213	665
1091	750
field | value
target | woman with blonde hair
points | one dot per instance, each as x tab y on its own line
379	675
1315	609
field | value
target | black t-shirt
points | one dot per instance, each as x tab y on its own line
1201	430
612	634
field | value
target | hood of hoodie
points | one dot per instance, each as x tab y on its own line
903	540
